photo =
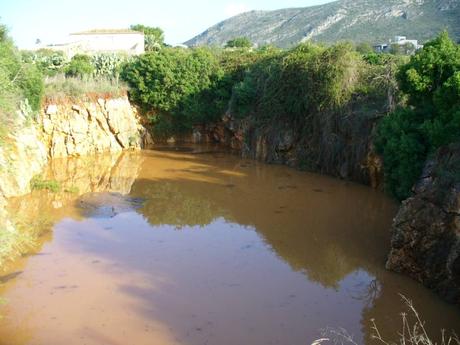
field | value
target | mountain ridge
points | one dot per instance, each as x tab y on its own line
373	21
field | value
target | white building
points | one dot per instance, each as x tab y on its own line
402	40
399	40
102	41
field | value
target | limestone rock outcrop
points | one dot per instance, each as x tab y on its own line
88	127
426	232
67	129
22	157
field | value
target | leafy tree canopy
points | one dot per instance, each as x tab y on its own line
431	81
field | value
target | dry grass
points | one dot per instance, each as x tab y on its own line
60	87
13	244
412	332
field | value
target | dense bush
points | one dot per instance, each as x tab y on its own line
431	81
18	80
80	66
49	62
403	147
9	66
31	83
239	42
179	88
171	84
295	84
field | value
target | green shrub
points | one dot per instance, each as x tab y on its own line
32	85
172	84
364	48
403	147
80	66
72	190
19	81
239	42
294	84
37	183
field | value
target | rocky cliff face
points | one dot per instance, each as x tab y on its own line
22	157
82	128
339	144
426	232
67	129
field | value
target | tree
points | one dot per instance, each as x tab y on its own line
239	42
429	70
431	80
153	36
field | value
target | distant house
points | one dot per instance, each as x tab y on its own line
398	40
102	41
382	48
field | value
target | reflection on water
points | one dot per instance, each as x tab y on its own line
168	247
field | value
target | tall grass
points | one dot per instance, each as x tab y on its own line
13	243
61	87
413	332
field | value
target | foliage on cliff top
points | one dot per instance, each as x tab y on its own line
298	83
80	66
18	82
179	88
431	81
165	83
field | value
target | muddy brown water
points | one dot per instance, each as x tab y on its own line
160	247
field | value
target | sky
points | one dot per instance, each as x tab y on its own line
52	20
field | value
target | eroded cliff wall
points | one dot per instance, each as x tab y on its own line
336	143
426	232
87	127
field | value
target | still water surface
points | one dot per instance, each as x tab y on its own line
160	247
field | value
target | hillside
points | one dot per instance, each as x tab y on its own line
355	20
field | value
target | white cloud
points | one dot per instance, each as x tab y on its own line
234	8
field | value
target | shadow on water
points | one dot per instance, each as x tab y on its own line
212	248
